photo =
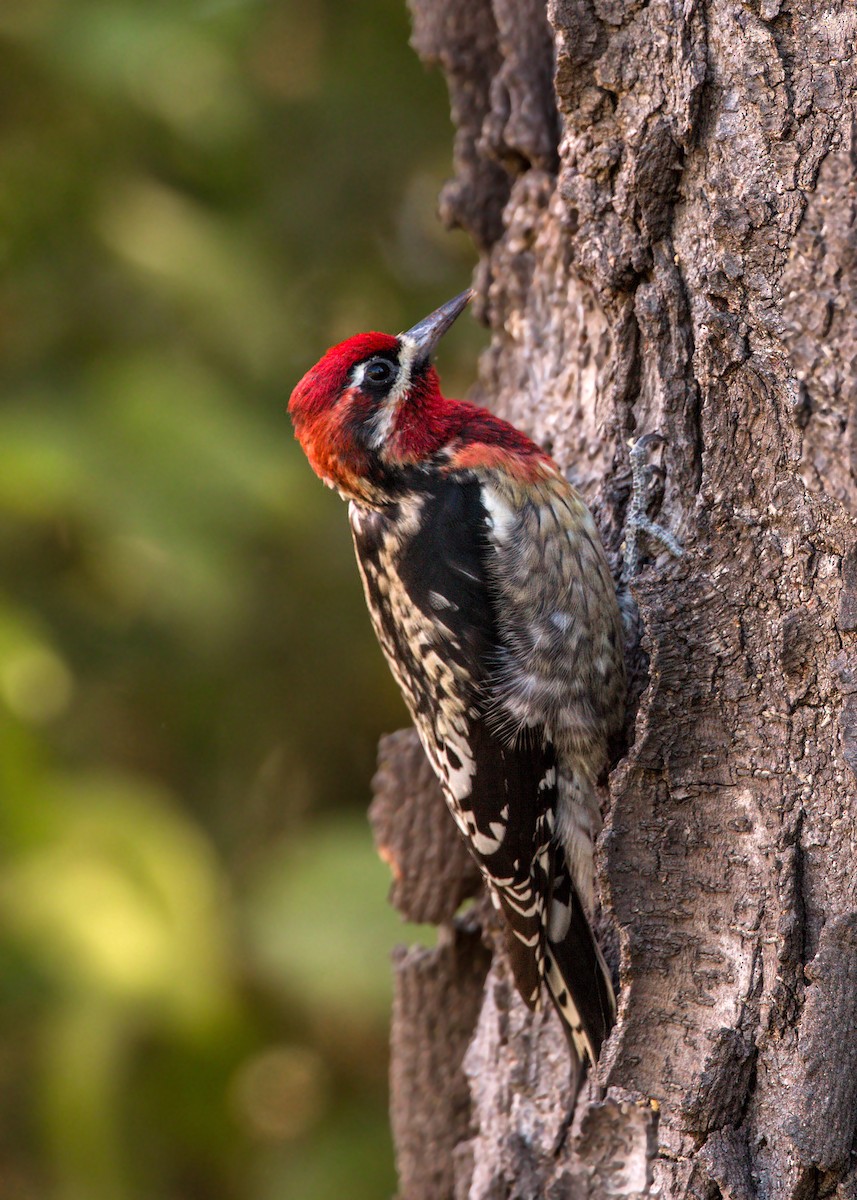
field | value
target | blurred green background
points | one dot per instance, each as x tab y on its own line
196	198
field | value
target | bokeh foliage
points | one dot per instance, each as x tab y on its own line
197	197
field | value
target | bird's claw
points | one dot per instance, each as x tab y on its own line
637	520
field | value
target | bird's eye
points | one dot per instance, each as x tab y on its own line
379	371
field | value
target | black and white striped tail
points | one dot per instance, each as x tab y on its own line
551	942
577	977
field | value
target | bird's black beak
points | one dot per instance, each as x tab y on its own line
427	333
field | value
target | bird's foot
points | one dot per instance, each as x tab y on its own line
637	521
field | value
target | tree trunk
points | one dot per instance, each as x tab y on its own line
665	201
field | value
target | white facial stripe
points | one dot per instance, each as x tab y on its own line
407	354
383	421
357	374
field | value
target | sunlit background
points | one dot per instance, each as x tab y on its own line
196	198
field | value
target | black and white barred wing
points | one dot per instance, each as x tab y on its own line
430	599
429	572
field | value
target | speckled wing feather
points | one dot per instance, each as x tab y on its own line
435	615
560	666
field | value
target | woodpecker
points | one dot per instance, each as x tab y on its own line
493	602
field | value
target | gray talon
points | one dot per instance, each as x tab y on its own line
637	520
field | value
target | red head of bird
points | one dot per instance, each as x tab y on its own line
372	407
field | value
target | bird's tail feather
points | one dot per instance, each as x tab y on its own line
577	977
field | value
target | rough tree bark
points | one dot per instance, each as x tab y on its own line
664	197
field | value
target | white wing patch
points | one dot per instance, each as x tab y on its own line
503	518
457	766
439	603
569	1010
484	843
559	920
